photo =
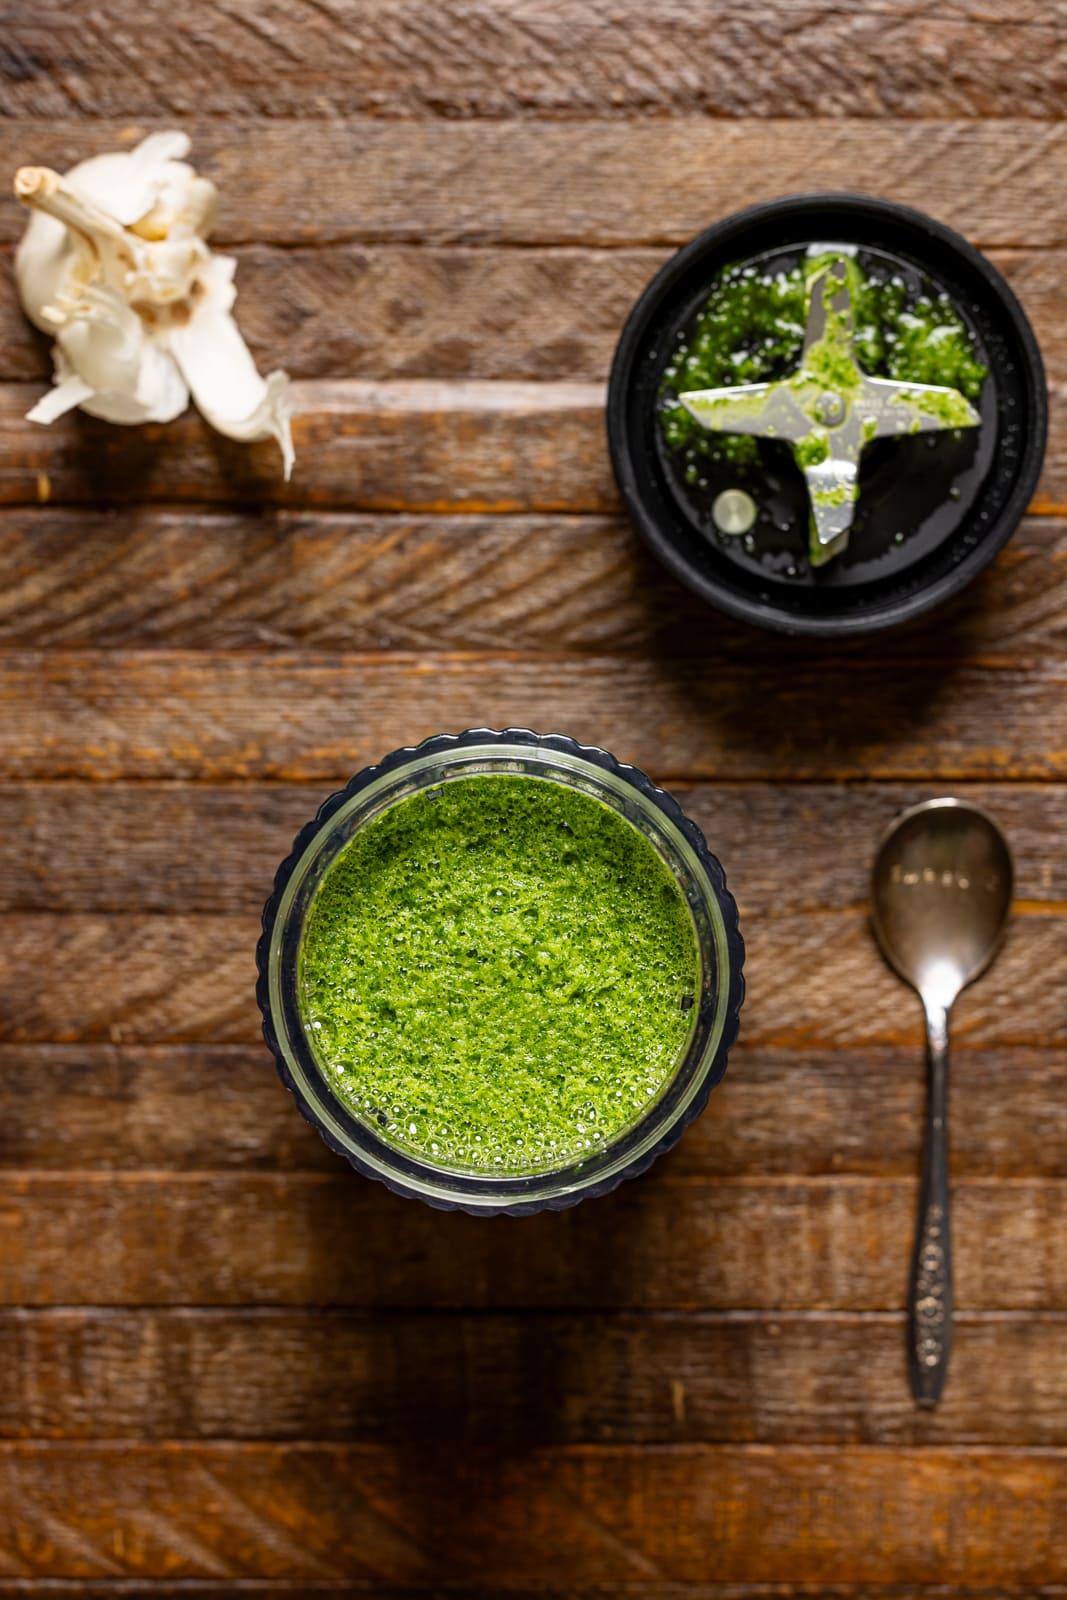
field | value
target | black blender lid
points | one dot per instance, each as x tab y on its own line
933	510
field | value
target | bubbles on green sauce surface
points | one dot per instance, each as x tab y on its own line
751	330
498	974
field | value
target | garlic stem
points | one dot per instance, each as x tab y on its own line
44	190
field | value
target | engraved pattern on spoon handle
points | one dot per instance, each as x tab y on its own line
930	1292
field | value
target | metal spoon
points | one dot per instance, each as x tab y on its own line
941	891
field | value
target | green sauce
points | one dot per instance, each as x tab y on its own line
751	330
498	974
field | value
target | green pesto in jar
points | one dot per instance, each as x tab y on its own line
498	974
751	330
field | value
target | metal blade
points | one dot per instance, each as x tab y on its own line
766	410
830	407
833	489
730	410
830	316
889	410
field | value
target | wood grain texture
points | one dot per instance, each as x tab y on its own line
144	847
370	1589
413	446
401	1379
394	447
857	1110
222	1239
172	714
232	1368
809	58
502	1520
170	847
541	313
323	1589
582	182
189	979
378	312
291	581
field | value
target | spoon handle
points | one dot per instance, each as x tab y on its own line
930	1289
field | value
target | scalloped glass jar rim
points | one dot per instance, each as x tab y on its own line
552	758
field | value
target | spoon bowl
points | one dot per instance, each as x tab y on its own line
941	889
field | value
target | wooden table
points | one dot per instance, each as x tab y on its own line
229	1366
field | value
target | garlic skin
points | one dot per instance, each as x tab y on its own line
115	265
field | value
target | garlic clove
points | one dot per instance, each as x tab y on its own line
61	249
218	367
161	394
180	212
52	269
114	265
166	271
156	391
128	183
102	339
70	392
132	378
44	263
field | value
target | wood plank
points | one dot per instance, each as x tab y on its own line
404	446
142	847
206	580
172	714
424	312
201	580
121	1107
579	181
188	979
563	59
126	979
602	1515
79	1107
371	1589
658	1378
387	447
323	1589
381	312
219	1239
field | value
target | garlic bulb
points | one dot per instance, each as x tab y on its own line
115	266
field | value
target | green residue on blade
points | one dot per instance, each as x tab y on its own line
949	409
751	330
813	449
842	494
830	367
